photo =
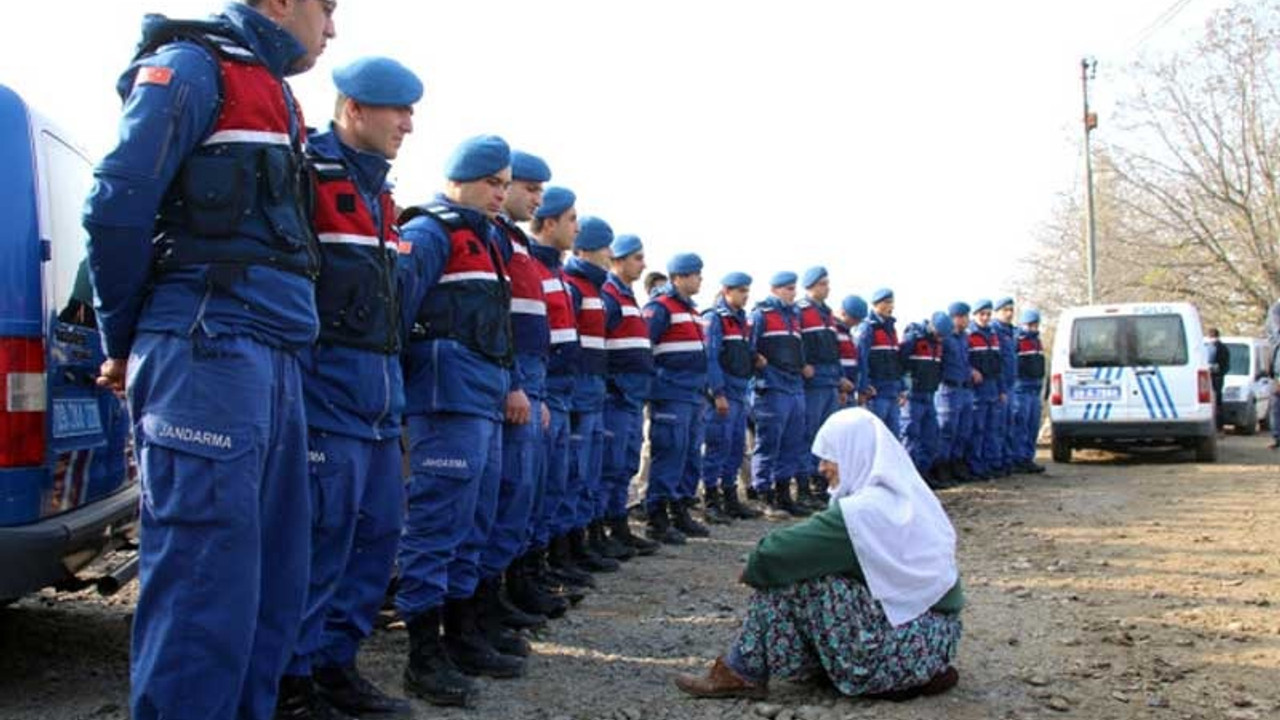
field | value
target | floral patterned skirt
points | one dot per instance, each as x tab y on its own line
833	625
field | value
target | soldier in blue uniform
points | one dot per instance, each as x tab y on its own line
629	353
1027	393
881	366
730	362
457	301
585	274
822	390
955	398
203	268
853	310
922	348
677	400
354	390
778	409
983	453
1004	430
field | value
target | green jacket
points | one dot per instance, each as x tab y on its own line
816	547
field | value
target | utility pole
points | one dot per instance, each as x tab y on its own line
1088	68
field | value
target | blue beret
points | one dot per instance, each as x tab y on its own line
1029	316
478	157
983	304
942	323
881	295
625	245
736	279
1002	302
555	201
528	167
958	308
786	277
855	307
593	234
813	275
684	264
378	81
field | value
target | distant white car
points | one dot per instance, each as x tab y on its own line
1247	388
1131	374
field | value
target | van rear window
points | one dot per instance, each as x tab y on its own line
1128	340
1239	360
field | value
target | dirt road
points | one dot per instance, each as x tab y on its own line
1114	587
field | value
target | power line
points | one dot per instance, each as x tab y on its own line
1158	23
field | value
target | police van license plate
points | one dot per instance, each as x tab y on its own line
1095	393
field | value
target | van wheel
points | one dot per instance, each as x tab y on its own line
1061	450
1250	424
1207	449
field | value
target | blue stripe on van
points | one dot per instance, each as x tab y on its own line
1151	411
1173	407
1155	395
1117	373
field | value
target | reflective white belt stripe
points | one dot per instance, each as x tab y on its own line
552	285
925	357
843	338
682	346
348	239
848	363
328	167
630	311
776	333
815	329
464	276
592	304
885	347
677	318
564	335
1031	352
733	338
525	306
631	343
591	342
264	137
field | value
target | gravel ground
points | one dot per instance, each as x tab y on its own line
1136	586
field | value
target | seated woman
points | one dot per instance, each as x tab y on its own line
866	592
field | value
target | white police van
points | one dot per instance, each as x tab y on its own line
1129	375
1247	387
67	480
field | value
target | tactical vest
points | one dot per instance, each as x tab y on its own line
819	333
471	302
847	348
780	342
925	365
735	344
529	325
627	346
1030	357
883	361
243	196
984	353
590	319
682	346
356	293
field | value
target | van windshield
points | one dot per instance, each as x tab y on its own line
1128	340
1239	360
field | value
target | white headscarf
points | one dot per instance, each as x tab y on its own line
900	533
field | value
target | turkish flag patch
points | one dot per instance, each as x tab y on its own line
404	247
153	75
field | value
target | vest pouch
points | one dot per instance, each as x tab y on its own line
214	191
281	197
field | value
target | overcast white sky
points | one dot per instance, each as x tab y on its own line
915	145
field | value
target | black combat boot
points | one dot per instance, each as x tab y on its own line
804	497
660	529
960	471
551	585
562	567
346	689
586	558
495	602
491	618
773	510
468	646
782	489
752	493
299	700
713	508
620	530
606	546
683	521
525	591
734	508
431	674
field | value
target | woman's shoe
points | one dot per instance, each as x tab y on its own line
721	682
937	685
